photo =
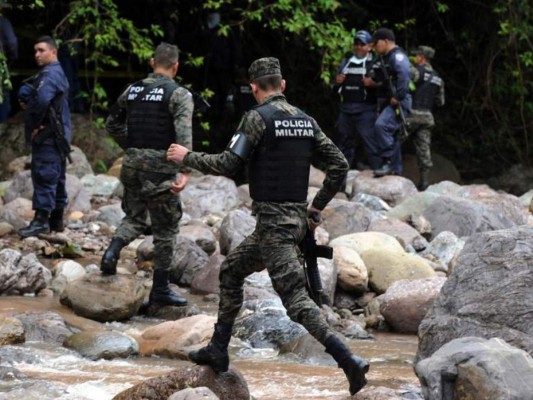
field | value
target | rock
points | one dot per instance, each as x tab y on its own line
413	205
392	189
352	273
45	326
342	217
200	393
401	231
22	274
489	287
105	345
79	165
363	241
5	228
476	368
308	349
200	234
111	214
371	202
100	185
17	212
406	302
11	330
386	267
206	279
442	170
70	270
444	248
236	225
229	385
105	298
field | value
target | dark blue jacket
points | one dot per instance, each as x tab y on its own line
50	86
8	39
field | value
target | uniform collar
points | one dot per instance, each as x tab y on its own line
275	96
158	76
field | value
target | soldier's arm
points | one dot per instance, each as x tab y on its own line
440	100
328	158
38	104
229	163
181	107
115	123
414	73
401	66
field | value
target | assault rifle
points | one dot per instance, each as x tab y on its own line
58	133
310	251
403	134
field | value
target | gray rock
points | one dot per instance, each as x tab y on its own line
488	289
22	274
342	217
235	226
111	214
106	345
46	327
476	368
201	393
11	330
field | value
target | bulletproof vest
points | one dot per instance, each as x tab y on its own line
426	89
279	166
150	125
352	90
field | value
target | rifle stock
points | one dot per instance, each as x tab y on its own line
310	252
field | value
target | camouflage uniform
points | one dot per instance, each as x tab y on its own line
279	227
421	122
146	175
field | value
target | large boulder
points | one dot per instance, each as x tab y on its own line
488	294
342	217
209	194
235	226
392	189
22	274
475	368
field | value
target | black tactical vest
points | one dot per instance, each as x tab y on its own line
426	90
352	90
279	167
150	125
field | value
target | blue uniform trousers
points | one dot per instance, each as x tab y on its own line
48	174
387	124
349	125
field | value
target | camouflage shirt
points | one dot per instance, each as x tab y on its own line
180	107
326	156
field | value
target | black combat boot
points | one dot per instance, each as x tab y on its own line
424	180
108	265
56	220
215	354
385	169
354	367
161	293
39	224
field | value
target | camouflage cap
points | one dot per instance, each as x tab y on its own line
263	67
426	51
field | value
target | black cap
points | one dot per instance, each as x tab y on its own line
383	34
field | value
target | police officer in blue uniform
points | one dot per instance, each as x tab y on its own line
397	68
358	108
46	90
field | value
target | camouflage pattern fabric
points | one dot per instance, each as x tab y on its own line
415	77
264	67
420	123
146	175
279	228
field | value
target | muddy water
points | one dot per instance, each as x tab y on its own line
56	373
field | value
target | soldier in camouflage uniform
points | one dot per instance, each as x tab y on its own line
429	92
279	143
147	117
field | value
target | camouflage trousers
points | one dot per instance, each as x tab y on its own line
149	193
420	125
272	245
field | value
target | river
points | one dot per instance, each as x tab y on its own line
57	373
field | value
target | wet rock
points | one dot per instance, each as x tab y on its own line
172	338
265	324
45	326
489	287
105	298
236	225
228	385
11	374
21	274
308	349
171	312
476	368
386	267
406	302
11	330
106	345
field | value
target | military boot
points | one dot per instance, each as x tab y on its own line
215	354
385	169
354	367
161	293
424	180
108	265
39	224
56	220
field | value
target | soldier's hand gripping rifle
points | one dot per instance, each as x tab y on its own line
403	134
310	251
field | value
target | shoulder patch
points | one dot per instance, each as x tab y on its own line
399	57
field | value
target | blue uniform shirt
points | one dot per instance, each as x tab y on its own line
49	83
399	69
